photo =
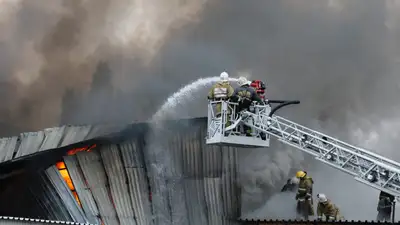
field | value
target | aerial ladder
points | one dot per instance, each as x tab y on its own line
226	128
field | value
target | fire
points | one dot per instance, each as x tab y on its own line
81	149
65	175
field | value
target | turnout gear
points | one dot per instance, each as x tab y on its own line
327	208
385	206
222	90
259	86
245	95
304	195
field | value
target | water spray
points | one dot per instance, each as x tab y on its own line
182	95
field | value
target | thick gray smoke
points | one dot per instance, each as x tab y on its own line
339	57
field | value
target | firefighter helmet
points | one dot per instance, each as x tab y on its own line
301	174
322	198
242	81
224	76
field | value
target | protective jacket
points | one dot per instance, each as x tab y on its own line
221	91
248	93
385	201
305	189
304	197
330	210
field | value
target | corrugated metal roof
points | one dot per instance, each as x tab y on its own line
12	148
7	147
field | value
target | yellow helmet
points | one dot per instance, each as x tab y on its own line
300	174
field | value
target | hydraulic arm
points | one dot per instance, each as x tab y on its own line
366	167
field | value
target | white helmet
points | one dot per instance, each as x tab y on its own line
224	76
322	198
242	81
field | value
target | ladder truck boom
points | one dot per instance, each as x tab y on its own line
366	167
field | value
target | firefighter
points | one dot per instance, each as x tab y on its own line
245	95
259	86
304	198
328	209
385	205
222	90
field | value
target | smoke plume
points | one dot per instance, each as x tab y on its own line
339	57
48	47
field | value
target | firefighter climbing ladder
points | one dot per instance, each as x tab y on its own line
366	167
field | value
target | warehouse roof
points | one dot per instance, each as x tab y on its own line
42	148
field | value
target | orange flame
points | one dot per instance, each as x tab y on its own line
81	149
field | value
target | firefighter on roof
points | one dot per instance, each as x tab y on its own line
222	90
327	208
304	198
385	206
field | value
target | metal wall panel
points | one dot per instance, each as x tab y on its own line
158	165
175	181
30	143
93	171
213	198
132	156
195	202
65	194
7	147
177	199
74	134
48	198
118	184
230	192
85	195
53	137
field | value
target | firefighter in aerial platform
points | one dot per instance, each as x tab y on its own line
328	209
304	197
221	91
245	95
385	206
259	86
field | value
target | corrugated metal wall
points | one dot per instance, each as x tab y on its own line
41	195
196	185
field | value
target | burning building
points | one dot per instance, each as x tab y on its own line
102	175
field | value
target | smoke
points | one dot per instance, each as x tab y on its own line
339	57
48	47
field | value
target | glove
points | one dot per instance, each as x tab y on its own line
297	196
209	98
